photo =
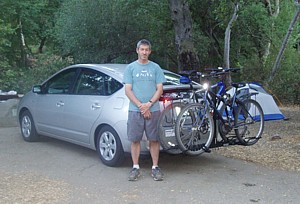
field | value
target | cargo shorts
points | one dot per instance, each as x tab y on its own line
137	125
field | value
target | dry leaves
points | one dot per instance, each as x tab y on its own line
279	147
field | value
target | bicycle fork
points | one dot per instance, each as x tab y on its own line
199	127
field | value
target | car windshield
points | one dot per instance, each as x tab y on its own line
172	79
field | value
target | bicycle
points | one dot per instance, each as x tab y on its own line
197	123
174	101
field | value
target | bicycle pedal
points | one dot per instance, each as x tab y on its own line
206	149
173	147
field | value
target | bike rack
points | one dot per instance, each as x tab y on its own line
215	143
173	95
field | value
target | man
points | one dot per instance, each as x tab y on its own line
143	86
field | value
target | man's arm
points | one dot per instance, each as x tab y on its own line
129	93
158	93
146	106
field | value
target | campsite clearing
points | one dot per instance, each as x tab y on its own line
279	147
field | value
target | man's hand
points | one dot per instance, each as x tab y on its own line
144	108
147	115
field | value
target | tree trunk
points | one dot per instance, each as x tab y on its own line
227	43
269	7
41	46
284	43
182	21
273	13
22	44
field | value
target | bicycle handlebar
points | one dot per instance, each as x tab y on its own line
221	69
213	72
190	73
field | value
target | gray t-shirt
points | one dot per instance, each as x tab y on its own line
143	78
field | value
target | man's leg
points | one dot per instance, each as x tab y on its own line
154	151
135	152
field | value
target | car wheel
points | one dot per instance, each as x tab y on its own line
109	147
28	130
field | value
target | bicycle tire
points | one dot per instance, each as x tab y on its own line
166	128
249	122
194	129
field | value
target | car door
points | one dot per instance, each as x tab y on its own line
85	104
51	103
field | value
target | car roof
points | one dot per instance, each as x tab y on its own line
115	70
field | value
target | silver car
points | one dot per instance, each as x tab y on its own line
84	104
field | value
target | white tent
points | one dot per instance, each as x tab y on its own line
269	106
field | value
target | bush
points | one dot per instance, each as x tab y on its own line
22	79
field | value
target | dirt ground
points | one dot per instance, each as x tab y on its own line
279	147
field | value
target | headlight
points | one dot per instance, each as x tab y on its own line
205	85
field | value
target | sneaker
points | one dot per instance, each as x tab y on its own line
134	174
157	174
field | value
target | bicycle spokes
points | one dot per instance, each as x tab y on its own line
194	131
249	122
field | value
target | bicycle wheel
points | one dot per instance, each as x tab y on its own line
166	128
249	122
194	129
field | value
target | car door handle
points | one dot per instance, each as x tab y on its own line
60	103
96	106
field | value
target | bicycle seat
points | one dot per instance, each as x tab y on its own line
238	85
188	73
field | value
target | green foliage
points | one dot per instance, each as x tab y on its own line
101	31
30	21
5	31
22	79
111	32
286	84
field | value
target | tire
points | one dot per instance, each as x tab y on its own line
249	122
194	133
166	128
27	126
109	147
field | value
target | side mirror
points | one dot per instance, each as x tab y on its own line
37	89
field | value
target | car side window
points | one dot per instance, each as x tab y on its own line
60	83
92	82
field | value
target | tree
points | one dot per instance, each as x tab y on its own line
227	43
182	22
5	31
111	33
31	21
284	43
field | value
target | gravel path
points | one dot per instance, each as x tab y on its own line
29	188
279	147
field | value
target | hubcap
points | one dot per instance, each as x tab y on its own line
107	145
26	126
